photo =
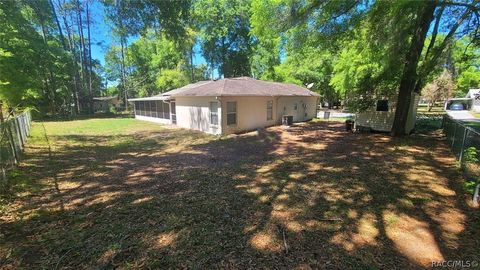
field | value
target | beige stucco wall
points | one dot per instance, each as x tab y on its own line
306	108
194	113
252	111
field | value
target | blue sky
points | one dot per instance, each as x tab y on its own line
102	37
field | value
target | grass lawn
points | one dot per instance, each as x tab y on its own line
121	193
435	110
477	115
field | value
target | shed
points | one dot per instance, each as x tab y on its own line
381	117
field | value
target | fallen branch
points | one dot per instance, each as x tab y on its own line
476	196
63	256
285	242
330	219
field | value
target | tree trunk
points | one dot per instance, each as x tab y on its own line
83	49
62	38
73	86
75	75
431	61
124	80
409	76
49	76
191	64
90	91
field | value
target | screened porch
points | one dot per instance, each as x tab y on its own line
152	108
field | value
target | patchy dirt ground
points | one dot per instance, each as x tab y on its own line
135	195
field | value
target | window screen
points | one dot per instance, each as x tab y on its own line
159	108
270	110
148	108
142	107
166	110
231	113
214	113
135	107
153	108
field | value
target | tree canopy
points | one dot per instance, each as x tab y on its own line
353	51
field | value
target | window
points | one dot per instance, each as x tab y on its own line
295	106
214	113
270	110
382	105
231	113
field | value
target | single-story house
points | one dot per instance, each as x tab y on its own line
381	117
229	105
103	104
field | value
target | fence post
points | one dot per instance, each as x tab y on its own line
463	145
17	131
15	154
454	134
21	120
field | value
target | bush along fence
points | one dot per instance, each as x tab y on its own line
13	136
464	139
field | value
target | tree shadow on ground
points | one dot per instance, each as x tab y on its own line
308	196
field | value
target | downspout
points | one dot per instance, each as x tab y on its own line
170	110
220	121
277	121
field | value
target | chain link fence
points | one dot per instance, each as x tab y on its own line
464	139
13	136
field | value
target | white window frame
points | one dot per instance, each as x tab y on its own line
231	112
213	113
269	110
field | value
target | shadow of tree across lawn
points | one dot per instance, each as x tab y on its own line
308	196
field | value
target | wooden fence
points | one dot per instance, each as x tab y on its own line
13	136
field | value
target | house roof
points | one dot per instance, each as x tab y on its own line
242	86
103	98
157	97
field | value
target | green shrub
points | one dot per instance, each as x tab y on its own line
471	166
112	109
470	155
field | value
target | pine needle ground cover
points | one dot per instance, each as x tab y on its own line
122	193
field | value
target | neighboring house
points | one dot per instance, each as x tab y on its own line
474	95
228	105
103	104
381	118
470	102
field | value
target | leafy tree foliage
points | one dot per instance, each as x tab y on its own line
440	89
224	33
354	51
37	67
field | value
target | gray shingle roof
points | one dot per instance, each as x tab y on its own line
103	98
242	86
